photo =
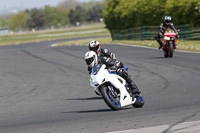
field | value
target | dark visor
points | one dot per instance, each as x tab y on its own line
92	49
89	60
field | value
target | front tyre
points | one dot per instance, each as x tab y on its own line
166	54
171	50
112	100
139	101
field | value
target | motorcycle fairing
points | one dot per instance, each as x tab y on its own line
103	77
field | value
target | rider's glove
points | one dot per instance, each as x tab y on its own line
113	56
177	35
119	64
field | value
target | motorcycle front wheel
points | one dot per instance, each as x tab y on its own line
110	97
170	50
166	54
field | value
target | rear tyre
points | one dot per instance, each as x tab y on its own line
111	100
139	101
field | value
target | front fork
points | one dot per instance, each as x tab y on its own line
113	92
165	46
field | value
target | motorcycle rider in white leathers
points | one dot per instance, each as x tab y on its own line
103	56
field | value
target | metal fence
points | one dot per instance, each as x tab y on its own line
187	32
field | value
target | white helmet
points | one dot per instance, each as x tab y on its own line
91	58
94	46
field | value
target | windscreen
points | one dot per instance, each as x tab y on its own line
96	68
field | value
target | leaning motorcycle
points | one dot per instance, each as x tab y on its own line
169	43
113	88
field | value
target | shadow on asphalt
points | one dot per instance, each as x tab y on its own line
98	110
91	98
89	111
156	58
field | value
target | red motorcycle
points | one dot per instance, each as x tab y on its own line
169	43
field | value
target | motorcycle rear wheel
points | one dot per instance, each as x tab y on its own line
112	101
139	101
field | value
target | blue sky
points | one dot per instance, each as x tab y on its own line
31	3
14	5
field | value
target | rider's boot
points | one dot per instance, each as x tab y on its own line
133	86
135	89
160	43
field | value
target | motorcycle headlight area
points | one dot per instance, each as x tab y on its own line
167	38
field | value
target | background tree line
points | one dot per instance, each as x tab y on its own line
69	12
125	14
117	14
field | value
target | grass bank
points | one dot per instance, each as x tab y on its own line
45	35
183	45
91	30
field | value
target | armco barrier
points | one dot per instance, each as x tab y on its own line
149	32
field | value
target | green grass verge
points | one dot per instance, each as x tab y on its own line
91	30
45	35
183	45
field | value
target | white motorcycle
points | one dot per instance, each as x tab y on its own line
113	88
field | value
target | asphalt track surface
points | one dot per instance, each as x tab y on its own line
46	89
